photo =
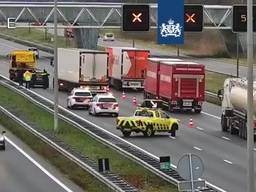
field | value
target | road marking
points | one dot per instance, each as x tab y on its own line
39	166
200	128
145	151
214	116
172	137
254	149
227	161
226	138
197	148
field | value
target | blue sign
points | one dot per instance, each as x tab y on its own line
170	22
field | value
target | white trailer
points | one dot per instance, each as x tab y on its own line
82	67
234	106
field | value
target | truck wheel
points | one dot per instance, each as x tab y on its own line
170	108
126	133
233	131
224	124
149	132
198	110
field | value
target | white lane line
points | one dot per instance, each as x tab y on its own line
214	116
172	137
145	151
197	148
200	128
226	138
227	161
254	149
39	166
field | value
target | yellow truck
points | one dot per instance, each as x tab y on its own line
148	121
23	60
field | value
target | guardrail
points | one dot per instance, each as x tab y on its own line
131	151
113	181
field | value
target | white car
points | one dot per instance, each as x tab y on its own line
35	50
2	141
104	104
108	37
79	97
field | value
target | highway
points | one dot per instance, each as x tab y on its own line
224	155
22	170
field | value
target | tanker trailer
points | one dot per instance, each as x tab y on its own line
234	105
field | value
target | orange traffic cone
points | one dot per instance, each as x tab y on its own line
123	95
134	101
191	123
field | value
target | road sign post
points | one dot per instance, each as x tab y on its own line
190	167
250	121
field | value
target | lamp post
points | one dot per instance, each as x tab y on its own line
250	136
56	88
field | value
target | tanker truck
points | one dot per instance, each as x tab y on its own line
234	105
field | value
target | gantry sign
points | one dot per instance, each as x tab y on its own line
98	15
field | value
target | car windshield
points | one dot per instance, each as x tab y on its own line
112	100
109	35
84	94
144	114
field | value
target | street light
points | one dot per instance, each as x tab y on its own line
56	86
250	125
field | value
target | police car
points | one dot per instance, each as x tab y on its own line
104	103
2	141
79	97
147	121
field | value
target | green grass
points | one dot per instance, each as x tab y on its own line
37	36
132	172
215	81
86	181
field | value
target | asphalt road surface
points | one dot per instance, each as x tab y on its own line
224	155
21	170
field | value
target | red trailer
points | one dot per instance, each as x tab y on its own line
127	67
179	84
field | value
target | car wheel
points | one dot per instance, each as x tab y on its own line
149	132
173	133
115	114
173	130
126	133
89	111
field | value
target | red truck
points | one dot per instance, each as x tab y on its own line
179	84
127	67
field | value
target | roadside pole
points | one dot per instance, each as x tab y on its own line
250	136
56	88
237	54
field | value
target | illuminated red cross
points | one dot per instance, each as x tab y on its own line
136	17
190	18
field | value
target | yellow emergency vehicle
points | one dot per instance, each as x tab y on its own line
25	60
148	121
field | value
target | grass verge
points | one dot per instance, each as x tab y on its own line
86	181
37	36
214	81
129	170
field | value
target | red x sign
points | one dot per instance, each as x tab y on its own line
190	18
136	17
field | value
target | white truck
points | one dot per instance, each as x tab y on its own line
127	67
234	105
82	67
